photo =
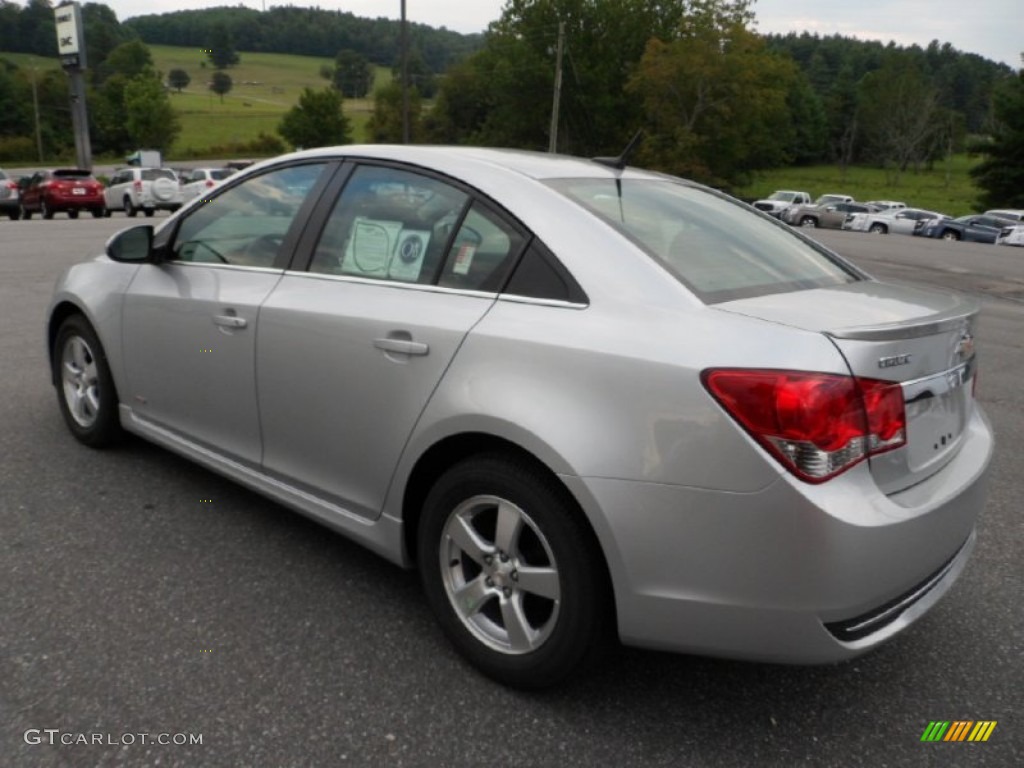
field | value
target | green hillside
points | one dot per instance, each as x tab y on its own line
266	85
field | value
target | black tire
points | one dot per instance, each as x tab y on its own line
72	214
129	208
98	213
45	211
809	222
14	214
879	229
106	212
26	214
85	388
149	212
558	633
951	234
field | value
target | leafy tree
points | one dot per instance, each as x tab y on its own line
221	49
420	76
604	41
316	121
103	33
385	124
1001	173
898	110
178	79
128	59
107	114
715	99
221	84
149	117
352	74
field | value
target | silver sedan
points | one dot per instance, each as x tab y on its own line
587	402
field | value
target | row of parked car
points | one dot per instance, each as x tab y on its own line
75	190
885	217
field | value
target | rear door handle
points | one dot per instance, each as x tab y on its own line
402	346
230	321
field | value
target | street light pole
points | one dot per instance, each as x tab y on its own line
405	77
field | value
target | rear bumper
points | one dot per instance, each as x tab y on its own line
783	574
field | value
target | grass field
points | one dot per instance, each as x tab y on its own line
266	85
947	188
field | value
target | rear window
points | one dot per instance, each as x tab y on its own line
152	174
72	173
220	174
715	246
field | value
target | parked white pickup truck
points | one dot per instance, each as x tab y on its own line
779	201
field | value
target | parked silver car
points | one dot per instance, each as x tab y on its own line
582	400
894	221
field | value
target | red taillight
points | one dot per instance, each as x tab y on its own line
138	185
816	424
209	183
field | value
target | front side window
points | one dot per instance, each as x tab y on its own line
715	246
389	224
246	224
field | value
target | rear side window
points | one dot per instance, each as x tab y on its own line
219	174
389	224
715	246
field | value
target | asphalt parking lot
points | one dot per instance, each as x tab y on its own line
143	595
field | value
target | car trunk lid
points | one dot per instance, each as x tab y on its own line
922	339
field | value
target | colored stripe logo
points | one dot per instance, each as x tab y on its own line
958	730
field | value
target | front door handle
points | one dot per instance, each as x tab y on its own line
230	321
402	346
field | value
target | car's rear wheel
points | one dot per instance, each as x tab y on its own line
878	229
511	572
808	221
129	208
14	214
85	388
950	235
45	210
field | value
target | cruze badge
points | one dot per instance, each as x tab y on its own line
892	362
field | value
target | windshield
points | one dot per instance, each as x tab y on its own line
784	196
717	247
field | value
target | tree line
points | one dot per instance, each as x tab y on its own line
717	101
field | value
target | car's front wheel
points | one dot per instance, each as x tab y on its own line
511	572
45	210
878	229
85	388
951	235
809	222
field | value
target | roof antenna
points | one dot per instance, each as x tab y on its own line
619	162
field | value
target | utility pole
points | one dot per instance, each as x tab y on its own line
553	133
35	107
405	77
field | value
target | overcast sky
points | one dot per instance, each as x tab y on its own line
991	28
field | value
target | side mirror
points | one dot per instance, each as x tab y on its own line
133	245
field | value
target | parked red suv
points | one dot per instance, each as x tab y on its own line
65	189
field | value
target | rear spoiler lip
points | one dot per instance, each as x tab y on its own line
954	319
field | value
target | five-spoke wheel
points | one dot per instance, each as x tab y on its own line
85	387
512	571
